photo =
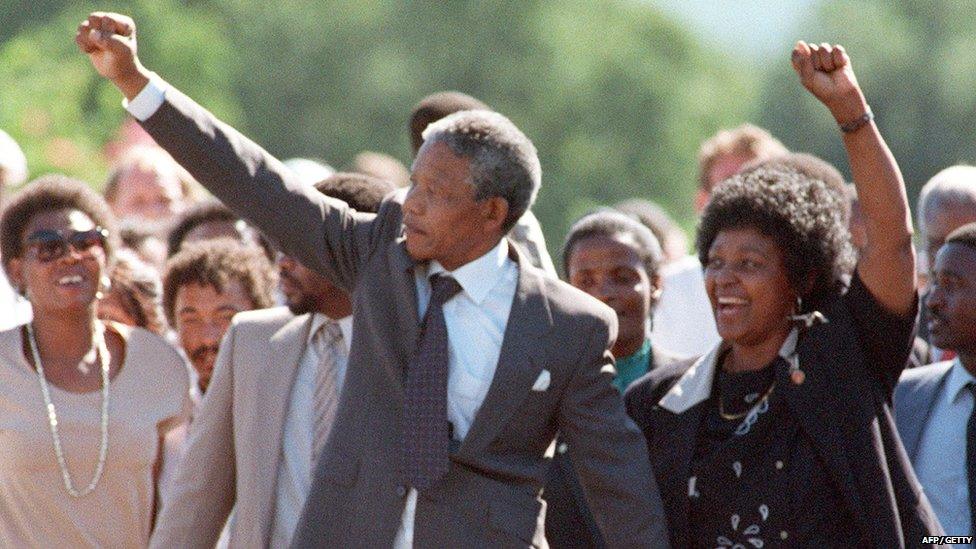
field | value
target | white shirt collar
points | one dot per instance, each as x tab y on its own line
959	377
319	319
477	277
695	385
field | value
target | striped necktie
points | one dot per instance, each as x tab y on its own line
330	350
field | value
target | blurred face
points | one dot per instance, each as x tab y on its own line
611	270
442	219
202	317
941	221
726	166
306	291
147	193
952	299
748	287
63	261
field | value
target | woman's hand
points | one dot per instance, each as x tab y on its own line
826	72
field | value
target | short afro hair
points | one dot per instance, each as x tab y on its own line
812	167
435	106
215	263
610	223
669	234
362	192
965	235
801	214
503	162
52	193
208	211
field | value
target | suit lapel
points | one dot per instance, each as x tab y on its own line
271	400
404	289
913	412
521	361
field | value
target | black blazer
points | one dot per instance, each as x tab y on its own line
569	522
844	405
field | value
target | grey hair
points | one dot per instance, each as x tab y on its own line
503	161
953	186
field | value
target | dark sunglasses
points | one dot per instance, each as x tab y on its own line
51	245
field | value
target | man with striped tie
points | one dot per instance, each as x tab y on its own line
269	407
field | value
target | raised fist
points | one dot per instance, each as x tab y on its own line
109	39
826	72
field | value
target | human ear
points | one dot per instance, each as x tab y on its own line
496	212
15	268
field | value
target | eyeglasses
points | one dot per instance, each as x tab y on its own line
49	245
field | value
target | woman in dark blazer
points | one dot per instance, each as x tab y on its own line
617	260
782	435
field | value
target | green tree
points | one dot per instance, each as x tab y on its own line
916	61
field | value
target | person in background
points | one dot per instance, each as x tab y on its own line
683	319
290	363
945	203
134	295
617	260
674	242
85	402
527	233
146	185
783	433
934	405
14	309
308	170
144	242
209	220
381	166
204	286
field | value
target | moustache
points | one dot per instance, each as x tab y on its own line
200	352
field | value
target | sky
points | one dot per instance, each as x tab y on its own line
758	29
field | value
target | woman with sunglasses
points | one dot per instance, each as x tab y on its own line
83	403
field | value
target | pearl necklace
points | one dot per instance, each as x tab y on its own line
52	415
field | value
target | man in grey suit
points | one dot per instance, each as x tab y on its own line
457	383
934	405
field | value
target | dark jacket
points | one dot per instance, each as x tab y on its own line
844	406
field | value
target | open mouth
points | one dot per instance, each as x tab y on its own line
71	280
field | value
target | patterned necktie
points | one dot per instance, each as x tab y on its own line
971	458
425	438
328	342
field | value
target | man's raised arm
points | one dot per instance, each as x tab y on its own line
322	233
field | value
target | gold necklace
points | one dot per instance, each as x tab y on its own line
733	417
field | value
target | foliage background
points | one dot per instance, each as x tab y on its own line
616	94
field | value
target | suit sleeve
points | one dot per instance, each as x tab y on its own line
322	233
203	491
609	453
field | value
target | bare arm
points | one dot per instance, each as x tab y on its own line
887	263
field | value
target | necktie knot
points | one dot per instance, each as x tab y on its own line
444	288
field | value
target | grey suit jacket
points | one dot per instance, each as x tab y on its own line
490	495
915	396
234	446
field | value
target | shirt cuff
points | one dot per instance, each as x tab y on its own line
149	99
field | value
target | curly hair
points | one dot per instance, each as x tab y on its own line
610	223
803	215
215	263
139	290
52	193
363	193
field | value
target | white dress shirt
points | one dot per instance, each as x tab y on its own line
476	319
941	461
683	319
295	463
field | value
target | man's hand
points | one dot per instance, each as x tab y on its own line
109	39
826	72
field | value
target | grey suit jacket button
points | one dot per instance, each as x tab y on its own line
401	490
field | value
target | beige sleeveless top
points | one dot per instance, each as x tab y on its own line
149	396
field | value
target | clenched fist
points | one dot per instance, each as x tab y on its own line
826	72
109	39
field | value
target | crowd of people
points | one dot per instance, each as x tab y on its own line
388	357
